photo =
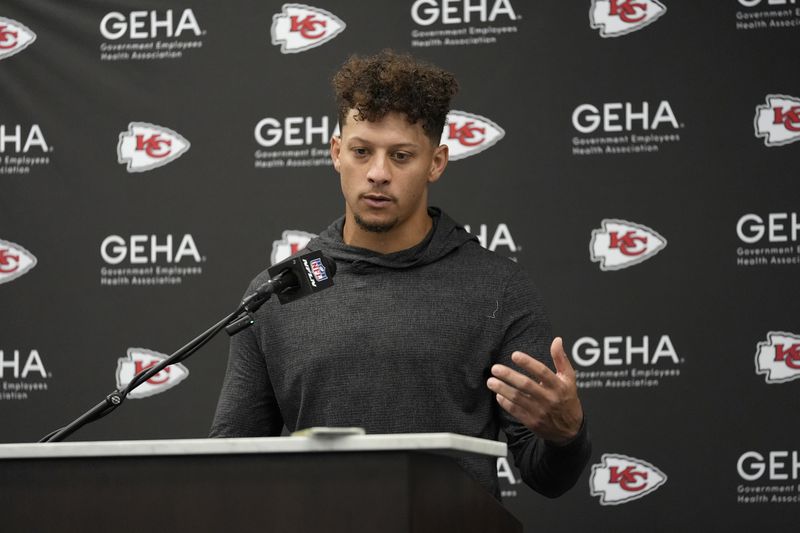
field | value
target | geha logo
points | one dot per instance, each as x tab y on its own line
752	466
620	479
33	365
140	359
754	3
291	242
467	134
507	472
293	131
427	12
778	121
500	237
610	351
300	27
14	37
14	261
778	227
19	141
146	249
619	244
148	25
587	118
146	146
508	476
620	17
778	358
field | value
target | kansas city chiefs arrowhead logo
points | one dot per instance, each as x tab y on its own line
778	122
299	28
14	37
619	479
466	134
147	146
779	357
291	242
620	17
140	359
14	261
619	244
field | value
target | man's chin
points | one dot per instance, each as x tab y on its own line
374	225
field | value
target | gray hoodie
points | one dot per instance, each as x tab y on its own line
402	343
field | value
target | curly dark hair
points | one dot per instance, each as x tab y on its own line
388	81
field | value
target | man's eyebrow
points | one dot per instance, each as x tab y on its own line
361	140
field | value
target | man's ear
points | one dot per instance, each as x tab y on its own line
336	147
441	155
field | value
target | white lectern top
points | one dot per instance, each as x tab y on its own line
448	443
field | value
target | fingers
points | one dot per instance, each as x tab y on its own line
507	392
543	401
535	368
520	411
539	382
517	387
514	378
560	359
528	402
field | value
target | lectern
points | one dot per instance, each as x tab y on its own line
370	483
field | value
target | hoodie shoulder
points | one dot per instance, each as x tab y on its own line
491	261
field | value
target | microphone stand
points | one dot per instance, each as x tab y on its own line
235	322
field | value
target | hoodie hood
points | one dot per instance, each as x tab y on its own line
444	237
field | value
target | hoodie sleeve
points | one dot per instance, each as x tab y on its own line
247	406
549	469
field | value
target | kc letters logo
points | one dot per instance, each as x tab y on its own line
140	359
291	242
620	17
14	37
14	261
619	244
778	358
778	121
619	479
467	134
147	146
299	28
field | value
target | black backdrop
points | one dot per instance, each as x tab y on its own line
637	157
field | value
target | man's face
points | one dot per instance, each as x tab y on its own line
385	168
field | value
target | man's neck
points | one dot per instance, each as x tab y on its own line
394	240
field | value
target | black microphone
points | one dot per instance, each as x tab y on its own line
296	278
300	276
291	280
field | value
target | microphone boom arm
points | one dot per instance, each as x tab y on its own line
283	282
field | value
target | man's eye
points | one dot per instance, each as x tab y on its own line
402	156
360	151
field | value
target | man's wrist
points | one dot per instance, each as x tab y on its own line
571	440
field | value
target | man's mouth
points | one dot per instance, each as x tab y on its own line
377	200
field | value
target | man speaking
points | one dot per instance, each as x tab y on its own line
424	330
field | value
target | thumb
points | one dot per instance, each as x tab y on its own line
560	359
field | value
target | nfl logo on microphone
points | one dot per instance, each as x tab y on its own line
318	269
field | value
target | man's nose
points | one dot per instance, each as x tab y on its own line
378	173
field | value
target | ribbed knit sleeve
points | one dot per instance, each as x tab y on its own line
547	468
247	406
